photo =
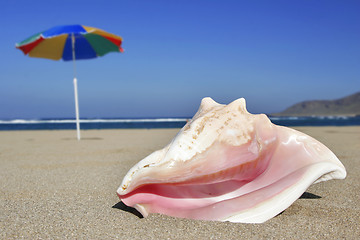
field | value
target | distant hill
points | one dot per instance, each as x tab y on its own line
349	105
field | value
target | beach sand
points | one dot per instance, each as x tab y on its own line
55	187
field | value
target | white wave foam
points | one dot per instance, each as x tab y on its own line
312	118
24	121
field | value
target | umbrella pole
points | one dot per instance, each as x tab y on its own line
75	90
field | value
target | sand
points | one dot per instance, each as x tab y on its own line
55	187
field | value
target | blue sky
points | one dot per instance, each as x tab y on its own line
272	53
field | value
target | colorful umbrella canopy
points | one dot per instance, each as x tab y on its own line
71	42
56	43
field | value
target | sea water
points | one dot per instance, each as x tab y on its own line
149	123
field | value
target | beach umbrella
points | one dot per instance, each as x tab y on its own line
71	42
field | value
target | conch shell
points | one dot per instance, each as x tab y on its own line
228	165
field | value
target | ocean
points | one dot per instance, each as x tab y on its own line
149	123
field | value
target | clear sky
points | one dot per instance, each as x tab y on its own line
272	53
